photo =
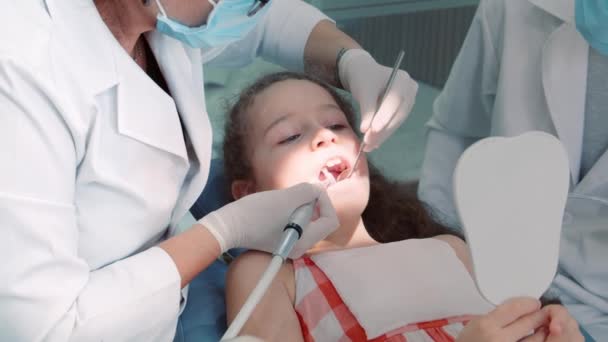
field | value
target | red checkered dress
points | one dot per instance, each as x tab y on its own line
324	317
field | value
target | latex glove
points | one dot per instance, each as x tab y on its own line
513	320
257	221
365	79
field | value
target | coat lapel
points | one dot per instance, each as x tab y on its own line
595	183
565	83
96	67
144	111
564	75
182	68
562	9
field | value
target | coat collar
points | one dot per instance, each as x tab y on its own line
100	67
101	71
183	70
564	80
562	9
98	64
96	60
564	75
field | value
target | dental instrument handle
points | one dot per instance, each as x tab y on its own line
389	84
300	218
352	169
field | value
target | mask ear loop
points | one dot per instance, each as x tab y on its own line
161	8
213	3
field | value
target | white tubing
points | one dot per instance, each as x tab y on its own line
254	298
299	219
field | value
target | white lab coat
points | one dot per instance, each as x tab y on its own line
523	67
94	168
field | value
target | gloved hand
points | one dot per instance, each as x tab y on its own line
256	221
363	77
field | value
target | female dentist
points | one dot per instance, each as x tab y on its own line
537	65
105	144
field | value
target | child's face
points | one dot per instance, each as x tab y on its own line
297	133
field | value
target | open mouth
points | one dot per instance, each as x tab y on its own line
333	171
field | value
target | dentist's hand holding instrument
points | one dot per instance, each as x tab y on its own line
257	221
369	122
298	225
360	74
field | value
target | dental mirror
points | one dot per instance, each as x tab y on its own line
510	194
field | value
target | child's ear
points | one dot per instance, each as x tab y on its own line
241	188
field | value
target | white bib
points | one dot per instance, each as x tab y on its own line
389	286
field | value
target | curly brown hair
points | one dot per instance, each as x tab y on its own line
393	212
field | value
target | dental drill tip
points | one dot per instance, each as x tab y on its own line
352	169
329	179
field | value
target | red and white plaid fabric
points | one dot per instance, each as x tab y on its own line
325	318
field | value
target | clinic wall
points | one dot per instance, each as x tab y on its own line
430	38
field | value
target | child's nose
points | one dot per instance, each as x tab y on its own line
324	138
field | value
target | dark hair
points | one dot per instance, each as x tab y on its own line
393	212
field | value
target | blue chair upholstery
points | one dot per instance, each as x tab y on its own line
215	194
204	318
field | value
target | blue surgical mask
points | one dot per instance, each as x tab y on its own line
592	23
228	22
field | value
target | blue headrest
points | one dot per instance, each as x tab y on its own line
215	194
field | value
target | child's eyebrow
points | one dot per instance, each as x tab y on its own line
276	122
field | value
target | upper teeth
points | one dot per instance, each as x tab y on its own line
333	162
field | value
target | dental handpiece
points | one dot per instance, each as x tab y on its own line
298	220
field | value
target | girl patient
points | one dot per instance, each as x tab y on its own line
389	272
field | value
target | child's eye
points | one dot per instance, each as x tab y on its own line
337	127
289	139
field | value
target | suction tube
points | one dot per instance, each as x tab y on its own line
300	218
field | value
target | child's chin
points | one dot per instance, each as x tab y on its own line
351	203
352	187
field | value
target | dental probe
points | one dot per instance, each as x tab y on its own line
388	86
300	218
